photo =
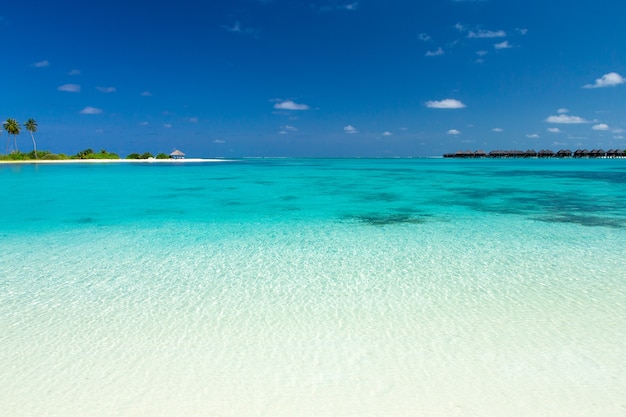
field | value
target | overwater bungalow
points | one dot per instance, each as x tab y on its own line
545	153
597	153
464	154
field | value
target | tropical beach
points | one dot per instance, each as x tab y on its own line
301	287
321	208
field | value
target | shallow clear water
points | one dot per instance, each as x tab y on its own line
403	287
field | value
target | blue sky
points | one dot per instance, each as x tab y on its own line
315	78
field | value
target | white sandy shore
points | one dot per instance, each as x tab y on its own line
107	161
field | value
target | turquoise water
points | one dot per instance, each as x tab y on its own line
313	287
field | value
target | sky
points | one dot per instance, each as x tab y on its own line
315	78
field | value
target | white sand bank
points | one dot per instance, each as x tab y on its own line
107	161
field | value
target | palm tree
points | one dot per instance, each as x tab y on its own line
13	128
31	126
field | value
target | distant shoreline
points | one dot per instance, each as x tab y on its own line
544	153
114	161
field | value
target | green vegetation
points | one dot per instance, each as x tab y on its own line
90	154
84	154
145	155
13	128
43	155
49	156
31	126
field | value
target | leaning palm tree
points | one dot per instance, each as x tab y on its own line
31	126
13	128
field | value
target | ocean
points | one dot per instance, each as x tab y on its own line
314	288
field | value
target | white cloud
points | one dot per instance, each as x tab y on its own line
565	119
350	129
146	94
438	52
69	88
106	90
290	105
144	124
448	103
480	34
329	8
522	31
497	129
601	126
481	53
192	119
459	27
74	72
453	132
424	37
618	137
532	136
91	110
236	28
387	133
42	64
284	130
553	130
502	45
562	111
219	141
167	125
607	80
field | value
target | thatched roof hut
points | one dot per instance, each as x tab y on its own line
464	154
497	154
177	155
545	153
